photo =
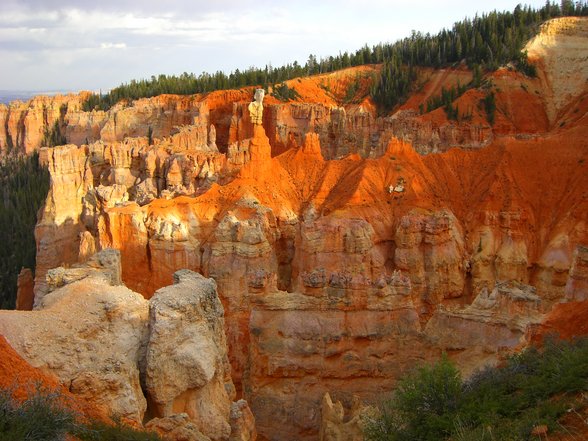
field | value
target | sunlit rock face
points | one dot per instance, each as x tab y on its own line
343	254
162	362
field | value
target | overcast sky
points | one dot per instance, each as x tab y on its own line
98	44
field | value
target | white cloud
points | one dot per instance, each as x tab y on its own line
113	45
71	44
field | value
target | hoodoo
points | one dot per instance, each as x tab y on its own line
232	265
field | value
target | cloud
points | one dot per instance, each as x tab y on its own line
69	28
98	44
184	8
113	45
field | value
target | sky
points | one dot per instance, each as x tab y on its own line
71	45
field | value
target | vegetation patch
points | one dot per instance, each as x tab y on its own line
53	136
24	184
445	100
285	93
490	107
40	417
44	416
532	389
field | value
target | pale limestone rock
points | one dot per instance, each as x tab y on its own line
112	195
242	422
430	249
57	232
499	249
562	47
553	268
162	114
86	182
212	138
174	173
577	285
177	427
186	364
256	107
301	346
496	320
91	336
144	192
99	338
87	246
105	266
337	426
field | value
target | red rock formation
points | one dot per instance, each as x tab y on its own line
22	380
349	234
23	125
329	235
339	275
25	295
565	320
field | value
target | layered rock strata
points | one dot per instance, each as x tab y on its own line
338	275
322	264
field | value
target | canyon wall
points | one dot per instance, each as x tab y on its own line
524	107
338	276
342	131
342	256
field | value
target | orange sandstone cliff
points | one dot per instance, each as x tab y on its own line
346	247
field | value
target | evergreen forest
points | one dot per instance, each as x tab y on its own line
490	41
24	184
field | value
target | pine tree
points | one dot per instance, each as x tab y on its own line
23	188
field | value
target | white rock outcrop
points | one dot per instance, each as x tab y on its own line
120	351
186	363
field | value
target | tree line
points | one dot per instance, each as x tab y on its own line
24	184
489	40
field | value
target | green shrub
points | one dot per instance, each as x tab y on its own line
40	417
285	93
54	136
423	406
43	416
103	432
490	107
533	388
351	91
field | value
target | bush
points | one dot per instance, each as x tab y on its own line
103	432
285	93
533	388
423	406
54	136
490	107
351	91
42	416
